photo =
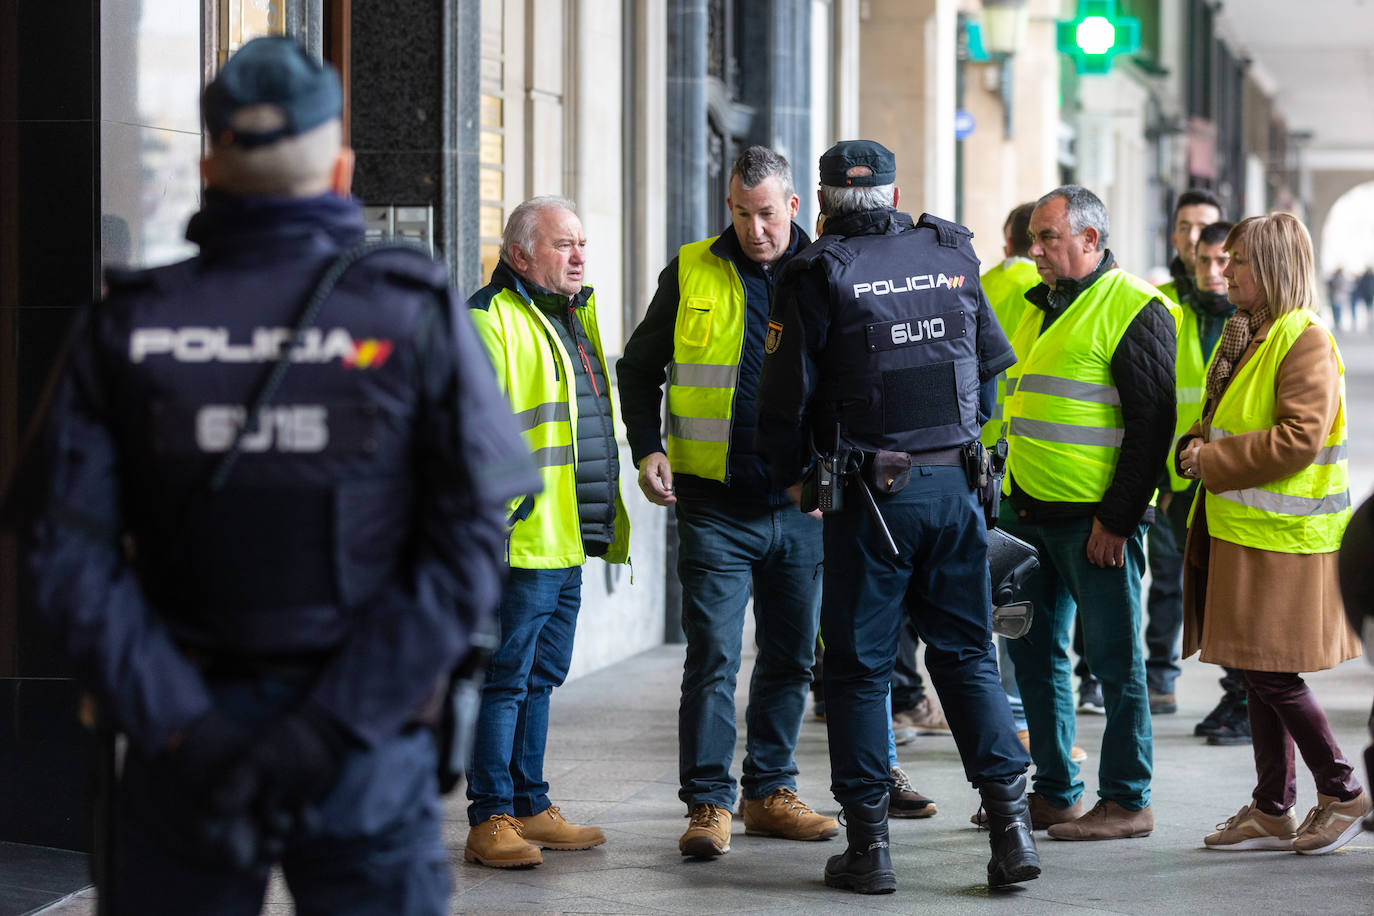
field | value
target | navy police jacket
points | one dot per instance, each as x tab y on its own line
882	327
361	532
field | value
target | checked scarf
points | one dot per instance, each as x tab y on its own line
1235	337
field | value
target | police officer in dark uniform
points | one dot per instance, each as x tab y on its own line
264	610
881	339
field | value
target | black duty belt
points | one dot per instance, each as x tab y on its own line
952	457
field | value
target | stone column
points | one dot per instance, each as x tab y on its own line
686	201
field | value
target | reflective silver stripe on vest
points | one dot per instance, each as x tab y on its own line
1069	388
1011	385
554	456
1189	395
1066	433
1284	504
700	429
1331	454
703	375
550	412
997	411
1327	454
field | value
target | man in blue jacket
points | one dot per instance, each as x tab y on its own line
264	600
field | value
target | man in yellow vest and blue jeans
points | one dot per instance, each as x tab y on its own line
705	333
539	324
1090	420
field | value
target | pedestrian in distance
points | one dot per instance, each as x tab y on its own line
538	319
1261	580
892	374
270	516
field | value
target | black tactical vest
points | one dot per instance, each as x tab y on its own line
900	366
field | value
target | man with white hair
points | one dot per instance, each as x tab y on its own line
539	323
273	483
885	357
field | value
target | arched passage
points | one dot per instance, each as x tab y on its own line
1329	187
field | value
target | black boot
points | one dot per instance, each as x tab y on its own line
1009	825
866	866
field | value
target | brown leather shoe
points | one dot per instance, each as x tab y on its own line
1044	815
1106	821
496	843
551	830
709	833
783	814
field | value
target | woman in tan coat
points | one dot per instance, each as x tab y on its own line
1260	584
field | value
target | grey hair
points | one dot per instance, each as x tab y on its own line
840	201
759	163
524	219
299	166
1084	209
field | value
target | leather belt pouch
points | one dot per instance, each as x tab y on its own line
891	471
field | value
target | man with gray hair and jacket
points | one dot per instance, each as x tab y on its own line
705	334
886	355
1090	421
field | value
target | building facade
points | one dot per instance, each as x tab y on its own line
460	109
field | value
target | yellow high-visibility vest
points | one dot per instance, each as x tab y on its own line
1305	512
707	342
1190	386
1064	422
1005	286
1170	291
538	376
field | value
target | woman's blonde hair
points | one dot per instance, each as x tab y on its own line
1280	253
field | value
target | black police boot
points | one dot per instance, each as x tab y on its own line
1014	857
866	866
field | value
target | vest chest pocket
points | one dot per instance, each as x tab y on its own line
694	321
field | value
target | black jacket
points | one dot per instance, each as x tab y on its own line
642	372
1143	368
362	530
831	357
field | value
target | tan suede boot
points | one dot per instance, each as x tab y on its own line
551	830
708	835
496	843
783	814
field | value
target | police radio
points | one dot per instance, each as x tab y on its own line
830	473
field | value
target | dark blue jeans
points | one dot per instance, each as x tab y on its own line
375	850
941	580
538	616
1107	603
726	549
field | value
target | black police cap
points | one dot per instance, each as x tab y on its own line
272	71
843	156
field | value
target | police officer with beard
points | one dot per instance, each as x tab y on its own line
266	609
881	338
